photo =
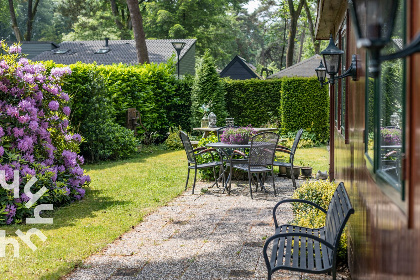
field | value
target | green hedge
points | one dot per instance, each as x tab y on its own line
304	104
152	89
254	102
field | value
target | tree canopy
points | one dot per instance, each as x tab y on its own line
276	34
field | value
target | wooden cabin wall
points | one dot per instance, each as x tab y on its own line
383	239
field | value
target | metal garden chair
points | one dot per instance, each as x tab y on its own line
192	157
291	152
259	160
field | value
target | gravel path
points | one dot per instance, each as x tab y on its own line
208	235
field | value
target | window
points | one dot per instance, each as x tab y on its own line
340	87
385	107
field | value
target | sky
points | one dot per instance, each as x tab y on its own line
252	5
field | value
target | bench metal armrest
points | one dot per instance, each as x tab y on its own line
199	149
278	235
294	200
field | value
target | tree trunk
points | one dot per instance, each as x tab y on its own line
311	28
139	36
14	22
294	15
120	25
284	45
302	40
31	16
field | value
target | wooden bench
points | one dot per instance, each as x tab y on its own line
305	249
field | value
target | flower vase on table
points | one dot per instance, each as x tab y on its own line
240	135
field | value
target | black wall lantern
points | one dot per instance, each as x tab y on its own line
374	23
332	61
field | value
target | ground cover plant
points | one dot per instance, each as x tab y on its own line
36	146
120	195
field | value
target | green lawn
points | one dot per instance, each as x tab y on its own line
315	157
120	195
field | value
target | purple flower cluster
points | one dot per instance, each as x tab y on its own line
237	135
34	136
391	136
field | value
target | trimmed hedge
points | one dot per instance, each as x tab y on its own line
304	104
254	102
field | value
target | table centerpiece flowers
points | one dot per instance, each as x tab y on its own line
237	135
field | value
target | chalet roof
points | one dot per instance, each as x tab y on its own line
118	51
305	68
250	69
329	16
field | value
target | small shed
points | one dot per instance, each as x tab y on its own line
305	68
239	69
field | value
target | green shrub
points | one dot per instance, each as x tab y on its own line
304	104
307	139
319	192
208	89
173	142
207	174
93	117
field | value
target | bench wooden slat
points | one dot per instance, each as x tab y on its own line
310	247
303	252
295	257
318	264
288	252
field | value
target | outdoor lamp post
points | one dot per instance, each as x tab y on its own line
178	46
374	23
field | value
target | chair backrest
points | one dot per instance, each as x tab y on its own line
187	146
222	129
339	211
263	148
297	139
295	144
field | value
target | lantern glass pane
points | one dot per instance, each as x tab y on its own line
375	19
332	63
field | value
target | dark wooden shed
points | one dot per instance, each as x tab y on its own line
239	69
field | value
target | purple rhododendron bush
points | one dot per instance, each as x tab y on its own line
34	137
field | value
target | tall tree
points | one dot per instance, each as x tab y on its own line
139	36
31	15
122	20
15	25
294	16
315	42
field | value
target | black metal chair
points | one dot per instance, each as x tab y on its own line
192	155
291	152
259	160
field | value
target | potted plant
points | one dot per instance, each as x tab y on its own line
296	171
240	135
306	171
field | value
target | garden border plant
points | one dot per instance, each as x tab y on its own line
35	137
